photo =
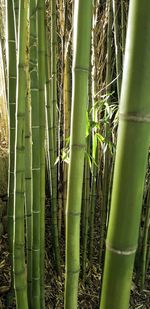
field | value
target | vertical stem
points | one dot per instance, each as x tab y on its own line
67	103
55	123
19	188
107	132
34	91
28	184
145	239
117	47
86	210
130	162
12	110
41	66
82	36
123	26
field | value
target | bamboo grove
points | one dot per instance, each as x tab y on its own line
77	84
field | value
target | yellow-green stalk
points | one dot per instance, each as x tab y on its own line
131	161
81	60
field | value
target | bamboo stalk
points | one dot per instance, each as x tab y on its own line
86	211
123	26
19	188
82	35
55	125
12	108
67	103
16	8
117	47
28	185
34	87
107	131
145	239
94	137
41	67
131	161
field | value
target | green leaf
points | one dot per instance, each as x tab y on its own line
57	160
100	137
87	124
94	146
88	158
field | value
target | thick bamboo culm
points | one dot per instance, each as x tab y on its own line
19	191
81	61
131	161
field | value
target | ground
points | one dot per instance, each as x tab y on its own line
54	285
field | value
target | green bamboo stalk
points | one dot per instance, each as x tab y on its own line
117	47
82	35
12	108
131	161
145	240
107	133
19	188
34	87
54	124
94	137
3	44
41	67
86	211
49	110
123	26
28	183
148	253
67	103
93	204
16	8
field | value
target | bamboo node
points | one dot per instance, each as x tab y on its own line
35	211
20	288
36	169
73	213
73	271
81	69
135	117
11	41
34	89
36	279
78	146
128	251
12	77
